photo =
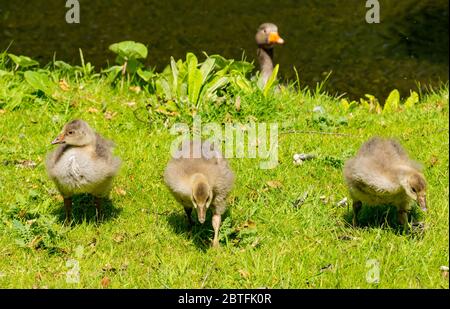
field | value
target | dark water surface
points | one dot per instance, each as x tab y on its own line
410	44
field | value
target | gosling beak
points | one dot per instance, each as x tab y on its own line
422	200
201	213
274	38
59	139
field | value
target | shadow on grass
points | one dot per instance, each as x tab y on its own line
200	234
83	209
383	216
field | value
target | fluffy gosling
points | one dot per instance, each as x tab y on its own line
382	173
83	163
201	181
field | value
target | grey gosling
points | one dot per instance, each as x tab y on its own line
266	38
200	178
382	173
83	163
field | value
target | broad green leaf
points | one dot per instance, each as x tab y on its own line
112	72
39	81
129	50
214	85
270	81
171	106
145	75
365	103
23	61
392	101
194	84
173	65
220	62
412	99
195	78
345	105
206	68
242	83
62	65
191	61
243	67
163	88
5	73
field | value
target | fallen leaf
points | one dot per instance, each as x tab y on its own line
130	104
92	110
26	164
119	237
433	161
64	85
244	274
38	276
105	282
121	191
274	184
110	115
255	243
237	103
136	89
36	242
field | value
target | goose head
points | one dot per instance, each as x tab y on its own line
415	187
76	133
267	36
201	195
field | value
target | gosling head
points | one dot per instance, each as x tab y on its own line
201	196
267	36
75	133
415	187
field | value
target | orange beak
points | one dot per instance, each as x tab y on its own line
274	38
59	139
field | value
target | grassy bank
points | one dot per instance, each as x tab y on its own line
284	228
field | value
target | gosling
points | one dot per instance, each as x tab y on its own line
83	163
199	177
382	173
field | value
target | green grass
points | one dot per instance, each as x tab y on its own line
265	240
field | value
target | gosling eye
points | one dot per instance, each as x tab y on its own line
70	132
414	190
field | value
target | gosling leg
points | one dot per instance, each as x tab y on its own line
98	208
216	220
356	208
68	208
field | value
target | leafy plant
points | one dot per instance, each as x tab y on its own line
412	100
22	61
128	55
40	81
392	102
